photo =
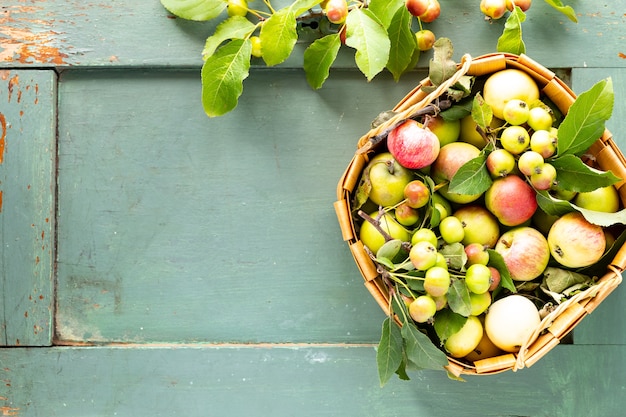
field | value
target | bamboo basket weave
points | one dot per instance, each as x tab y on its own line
603	154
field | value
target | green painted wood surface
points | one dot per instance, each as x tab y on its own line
27	178
77	33
573	381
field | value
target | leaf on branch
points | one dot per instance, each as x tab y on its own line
236	27
482	113
497	261
385	10
441	66
459	298
566	10
574	175
511	39
389	352
403	43
366	34
301	6
319	57
198	10
222	77
278	36
448	323
420	350
472	177
585	120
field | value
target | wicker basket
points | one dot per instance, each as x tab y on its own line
605	156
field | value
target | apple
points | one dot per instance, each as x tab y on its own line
510	321
451	230
479	303
437	281
515	139
432	12
469	133
412	145
539	118
480	225
478	278
336	11
605	199
543	142
511	200
426	234
500	163
423	255
476	254
544	177
485	349
509	84
451	157
543	221
466	339
516	112
493	9
525	252
495	278
416	7
522	4
447	131
237	7
425	39
257	50
388	179
422	309
406	215
442	206
373	239
530	162
574	242
417	194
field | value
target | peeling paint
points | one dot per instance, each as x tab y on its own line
9	411
3	136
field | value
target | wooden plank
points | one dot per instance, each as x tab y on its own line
74	33
176	227
27	183
604	326
307	380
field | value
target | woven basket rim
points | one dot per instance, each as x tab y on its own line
559	322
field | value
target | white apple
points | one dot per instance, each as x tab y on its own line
510	321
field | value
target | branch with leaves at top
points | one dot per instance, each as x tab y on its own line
379	31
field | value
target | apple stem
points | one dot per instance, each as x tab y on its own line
376	223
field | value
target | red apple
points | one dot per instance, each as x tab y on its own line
525	252
476	254
511	200
413	146
452	157
416	7
432	12
495	278
522	4
494	9
480	225
574	242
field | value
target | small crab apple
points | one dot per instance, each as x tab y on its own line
256	46
416	7
495	278
422	309
336	11
451	230
500	163
543	142
478	278
476	254
522	4
406	215
530	162
424	234
437	281
544	176
417	194
425	39
237	7
540	118
423	255
516	112
493	9
515	139
432	12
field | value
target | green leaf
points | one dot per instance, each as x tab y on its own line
585	119
558	280
459	299
390	249
482	113
511	39
195	9
236	27
553	206
389	352
403	43
566	10
601	218
222	77
441	66
497	261
319	57
385	10
420	350
301	6
472	177
455	255
448	323
366	34
458	111
574	175
278	36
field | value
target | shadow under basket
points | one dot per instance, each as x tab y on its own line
603	154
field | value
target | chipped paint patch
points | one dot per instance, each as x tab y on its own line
3	137
28	41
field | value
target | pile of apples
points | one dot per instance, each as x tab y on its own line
435	244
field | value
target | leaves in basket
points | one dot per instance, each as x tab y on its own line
420	350
482	113
455	255
459	299
389	352
402	43
448	323
511	39
497	261
366	34
472	178
574	175
585	119
557	279
556	207
441	66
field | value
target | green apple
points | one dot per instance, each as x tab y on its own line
466	339
237	7
447	131
540	118
500	163
516	112
373	239
425	39
605	199
479	303
437	281
426	234
478	278
470	135
451	230
422	309
388	179
423	255
479	224
515	139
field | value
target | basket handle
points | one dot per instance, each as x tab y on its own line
375	135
